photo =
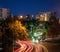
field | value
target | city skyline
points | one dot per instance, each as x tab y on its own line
31	6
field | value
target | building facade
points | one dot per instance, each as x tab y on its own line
4	13
43	16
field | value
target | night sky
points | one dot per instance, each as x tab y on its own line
25	7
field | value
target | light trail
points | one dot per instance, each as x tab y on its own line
27	46
44	48
38	48
23	46
30	47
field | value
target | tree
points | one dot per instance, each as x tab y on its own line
18	30
54	30
11	30
52	19
28	17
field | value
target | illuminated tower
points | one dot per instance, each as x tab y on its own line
43	16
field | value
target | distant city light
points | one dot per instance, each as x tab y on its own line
32	15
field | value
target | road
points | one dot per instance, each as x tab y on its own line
52	44
27	46
52	47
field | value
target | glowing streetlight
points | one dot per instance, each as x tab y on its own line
21	17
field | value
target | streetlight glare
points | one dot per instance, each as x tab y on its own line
21	16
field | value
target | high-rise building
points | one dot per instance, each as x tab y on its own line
4	13
43	16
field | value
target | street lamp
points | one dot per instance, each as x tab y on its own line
21	16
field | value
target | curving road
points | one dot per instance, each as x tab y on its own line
27	46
